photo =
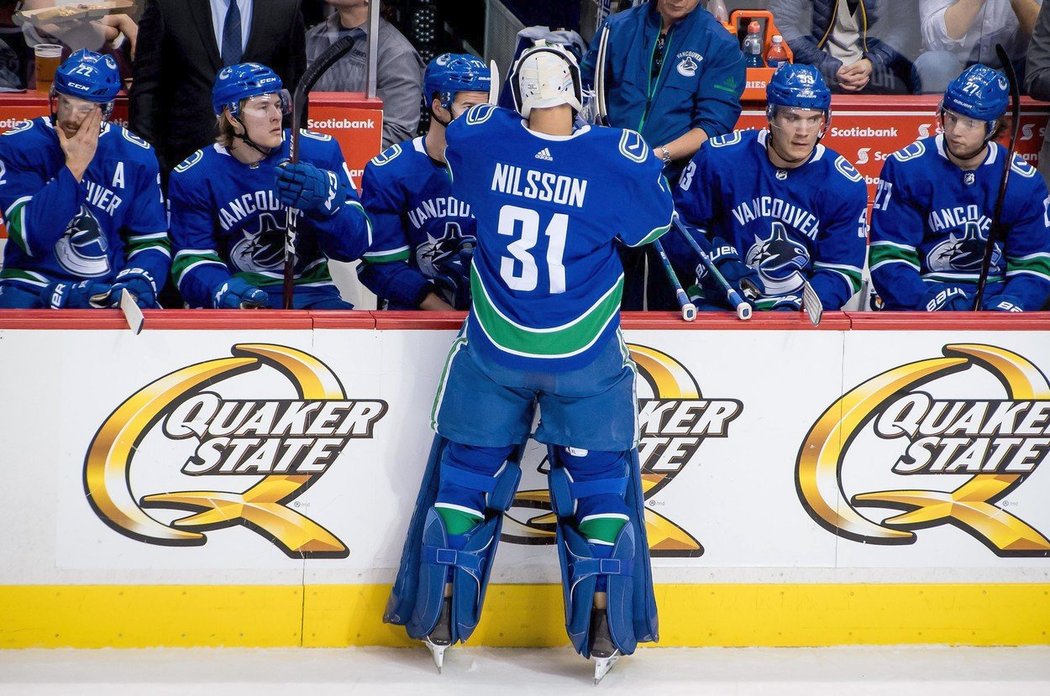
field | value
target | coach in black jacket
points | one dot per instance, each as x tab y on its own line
178	57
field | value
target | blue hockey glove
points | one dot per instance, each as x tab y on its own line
1002	303
455	290
738	274
138	282
82	295
310	189
237	293
947	299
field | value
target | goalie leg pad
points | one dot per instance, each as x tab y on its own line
581	570
478	478
465	560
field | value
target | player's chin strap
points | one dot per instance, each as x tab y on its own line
264	151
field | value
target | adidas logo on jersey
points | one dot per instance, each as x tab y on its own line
544	154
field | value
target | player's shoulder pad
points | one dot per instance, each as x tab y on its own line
387	156
188	163
633	147
478	114
844	167
909	152
19	127
323	137
726	139
1021	167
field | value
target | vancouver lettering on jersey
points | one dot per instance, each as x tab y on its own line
779	209
437	208
950	218
244	205
102	198
541	186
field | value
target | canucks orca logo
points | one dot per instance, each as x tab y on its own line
262	250
778	258
83	249
448	255
687	67
962	253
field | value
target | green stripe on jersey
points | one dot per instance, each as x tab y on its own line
28	277
401	254
1035	264
183	261
556	342
317	274
851	274
16	220
887	253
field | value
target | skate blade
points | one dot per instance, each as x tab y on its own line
437	652
602	665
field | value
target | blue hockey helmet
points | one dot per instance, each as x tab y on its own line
89	76
235	83
799	86
451	73
980	93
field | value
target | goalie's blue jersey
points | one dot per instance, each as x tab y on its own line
59	229
812	217
930	225
417	223
226	219
546	279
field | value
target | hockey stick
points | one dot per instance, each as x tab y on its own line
995	229
599	77
494	83
743	309
306	83
811	303
688	308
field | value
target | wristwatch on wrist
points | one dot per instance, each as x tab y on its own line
665	155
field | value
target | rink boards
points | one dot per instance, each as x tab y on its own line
234	478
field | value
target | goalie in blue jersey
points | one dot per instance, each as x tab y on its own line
81	197
543	331
933	212
230	200
424	236
778	208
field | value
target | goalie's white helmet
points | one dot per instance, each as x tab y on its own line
546	75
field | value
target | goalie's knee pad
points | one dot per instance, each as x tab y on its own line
465	561
581	571
465	481
588	483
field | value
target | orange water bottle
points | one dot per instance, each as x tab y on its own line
777	54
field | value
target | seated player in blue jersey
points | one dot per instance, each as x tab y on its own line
933	212
778	208
543	331
423	236
81	196
229	204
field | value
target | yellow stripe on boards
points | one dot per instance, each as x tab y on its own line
94	616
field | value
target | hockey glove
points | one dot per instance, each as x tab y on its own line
74	295
312	190
947	299
236	293
454	290
1002	303
138	282
738	274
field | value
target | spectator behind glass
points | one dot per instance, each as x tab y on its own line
179	55
114	35
960	33
675	75
399	69
1037	77
15	57
847	42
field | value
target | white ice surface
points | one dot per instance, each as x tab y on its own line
847	671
